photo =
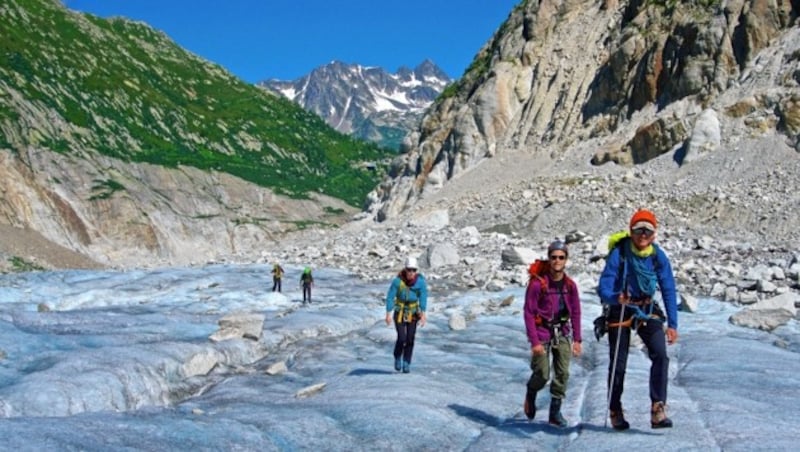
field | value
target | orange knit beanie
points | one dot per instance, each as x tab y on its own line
643	215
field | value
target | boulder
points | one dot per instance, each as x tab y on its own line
239	325
457	322
762	319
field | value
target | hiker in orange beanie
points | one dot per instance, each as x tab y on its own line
635	269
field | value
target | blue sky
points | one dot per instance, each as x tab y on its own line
286	39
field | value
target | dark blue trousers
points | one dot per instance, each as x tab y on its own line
652	334
404	346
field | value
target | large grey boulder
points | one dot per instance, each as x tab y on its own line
441	255
238	325
768	314
706	136
200	363
515	255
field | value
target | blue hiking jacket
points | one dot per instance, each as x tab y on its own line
611	286
417	292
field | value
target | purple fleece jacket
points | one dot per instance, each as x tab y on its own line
546	305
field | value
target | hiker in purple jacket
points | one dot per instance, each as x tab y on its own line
553	323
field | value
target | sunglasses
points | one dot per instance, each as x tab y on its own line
558	257
411	270
643	231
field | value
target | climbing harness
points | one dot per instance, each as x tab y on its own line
639	316
406	311
562	317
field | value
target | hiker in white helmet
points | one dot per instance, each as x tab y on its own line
406	302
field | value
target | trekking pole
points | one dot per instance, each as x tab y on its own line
614	364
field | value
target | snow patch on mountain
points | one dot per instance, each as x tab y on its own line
366	101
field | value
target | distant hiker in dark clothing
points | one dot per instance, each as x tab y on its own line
277	275
553	324
635	269
406	302
306	281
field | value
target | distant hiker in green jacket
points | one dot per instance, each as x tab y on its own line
277	275
406	302
306	281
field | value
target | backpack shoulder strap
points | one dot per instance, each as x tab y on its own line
657	262
624	251
570	283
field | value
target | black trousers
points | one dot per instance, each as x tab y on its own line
404	347
652	334
306	292
276	284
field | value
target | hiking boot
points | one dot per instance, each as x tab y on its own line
618	421
555	417
398	364
658	416
530	404
406	367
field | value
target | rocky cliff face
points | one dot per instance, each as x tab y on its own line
633	76
149	215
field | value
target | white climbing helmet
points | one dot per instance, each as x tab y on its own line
411	262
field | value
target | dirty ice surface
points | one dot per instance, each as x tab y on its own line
123	361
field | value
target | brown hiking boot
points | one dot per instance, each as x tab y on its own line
618	421
658	416
530	405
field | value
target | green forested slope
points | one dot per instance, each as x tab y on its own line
77	84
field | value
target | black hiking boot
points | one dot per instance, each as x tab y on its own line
618	421
530	404
555	417
658	416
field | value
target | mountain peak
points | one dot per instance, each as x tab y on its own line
366	101
428	67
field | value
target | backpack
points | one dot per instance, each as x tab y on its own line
537	270
541	267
